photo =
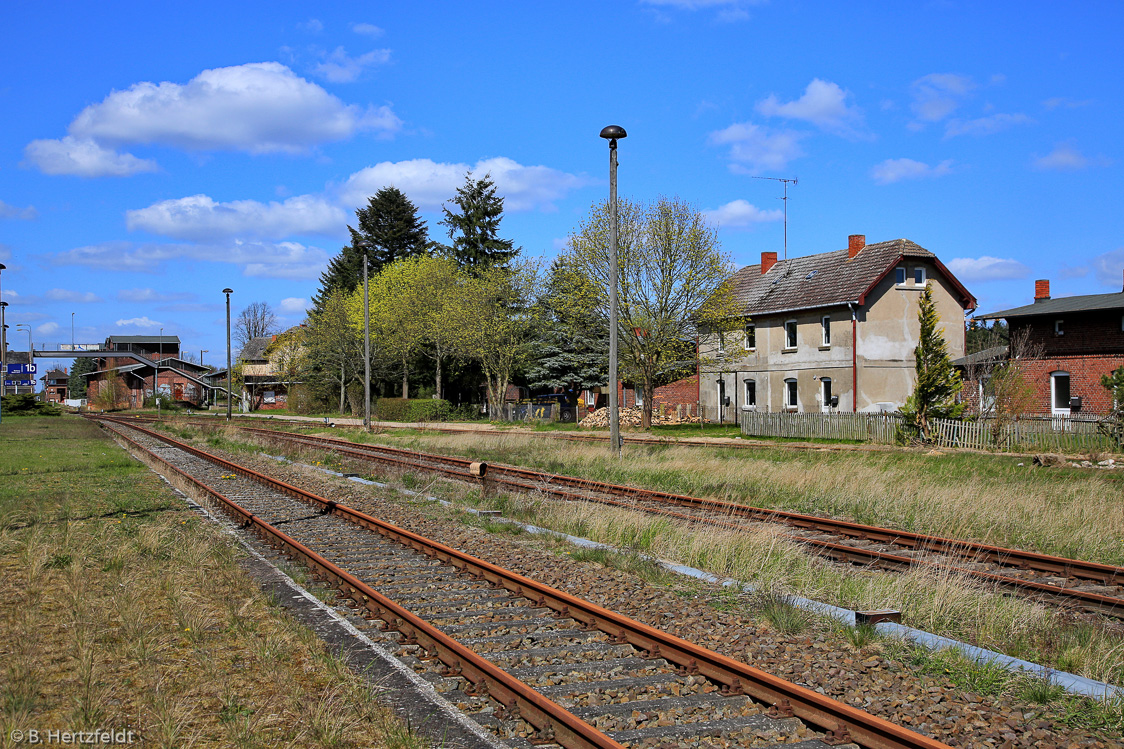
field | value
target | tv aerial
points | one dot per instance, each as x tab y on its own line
785	199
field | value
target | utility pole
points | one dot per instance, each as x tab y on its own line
612	133
785	199
229	395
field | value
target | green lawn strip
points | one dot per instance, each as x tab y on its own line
121	608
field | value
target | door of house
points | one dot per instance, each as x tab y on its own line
178	391
1059	393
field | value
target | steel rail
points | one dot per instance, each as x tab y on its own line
549	718
530	480
840	721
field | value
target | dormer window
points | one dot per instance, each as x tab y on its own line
919	276
1058	327
899	276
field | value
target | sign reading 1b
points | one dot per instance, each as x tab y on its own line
23	369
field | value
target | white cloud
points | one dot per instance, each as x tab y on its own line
10	211
1109	268
11	296
258	107
200	217
741	214
937	95
1066	102
138	322
367	29
293	305
987	268
312	25
339	67
152	295
258	259
728	10
83	157
47	328
985	125
823	104
1066	157
895	170
78	297
428	183
756	149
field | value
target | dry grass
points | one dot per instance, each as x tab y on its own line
145	622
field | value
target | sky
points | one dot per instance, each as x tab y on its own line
153	154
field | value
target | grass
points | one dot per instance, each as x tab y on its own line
120	608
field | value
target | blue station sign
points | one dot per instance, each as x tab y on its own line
23	369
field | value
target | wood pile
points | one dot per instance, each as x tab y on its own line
630	419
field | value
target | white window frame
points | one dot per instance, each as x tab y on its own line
825	329
899	275
638	397
919	276
791	388
825	392
1059	326
749	388
795	338
751	332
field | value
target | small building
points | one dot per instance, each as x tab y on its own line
125	381
269	368
56	385
1072	342
831	331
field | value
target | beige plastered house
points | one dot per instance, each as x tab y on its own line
829	332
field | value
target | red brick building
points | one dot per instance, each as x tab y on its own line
1081	338
55	385
126	381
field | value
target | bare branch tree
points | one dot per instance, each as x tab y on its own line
253	322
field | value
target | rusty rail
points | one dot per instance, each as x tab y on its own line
841	722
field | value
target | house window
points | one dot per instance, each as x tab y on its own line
899	276
790	395
1058	329
1059	392
751	336
825	324
825	387
919	276
790	334
638	397
750	393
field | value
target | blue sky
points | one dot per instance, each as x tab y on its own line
152	155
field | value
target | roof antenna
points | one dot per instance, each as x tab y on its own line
785	199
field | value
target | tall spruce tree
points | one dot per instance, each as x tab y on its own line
572	351
474	226
391	225
938	382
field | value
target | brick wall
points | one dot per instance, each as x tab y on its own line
1097	332
1084	379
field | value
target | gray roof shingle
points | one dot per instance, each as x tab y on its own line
828	279
254	350
1086	303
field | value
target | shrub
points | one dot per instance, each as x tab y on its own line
27	405
391	409
429	410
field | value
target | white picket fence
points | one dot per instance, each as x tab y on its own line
1057	434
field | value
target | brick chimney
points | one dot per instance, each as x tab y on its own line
855	244
768	260
1042	290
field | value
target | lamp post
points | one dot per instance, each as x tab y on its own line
156	377
366	341
613	133
72	331
30	351
3	344
201	352
228	292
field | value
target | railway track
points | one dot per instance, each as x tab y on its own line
534	665
1087	586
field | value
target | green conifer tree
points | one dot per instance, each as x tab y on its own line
391	226
938	382
76	383
474	226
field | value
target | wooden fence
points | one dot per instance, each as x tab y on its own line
1029	433
878	427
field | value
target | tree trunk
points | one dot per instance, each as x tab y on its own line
405	379
343	380
646	416
440	395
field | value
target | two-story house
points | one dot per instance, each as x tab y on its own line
832	331
269	366
55	385
1073	341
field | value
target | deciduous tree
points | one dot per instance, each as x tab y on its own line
335	351
255	321
673	281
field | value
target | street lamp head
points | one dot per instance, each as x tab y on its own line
612	133
2	266
228	291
